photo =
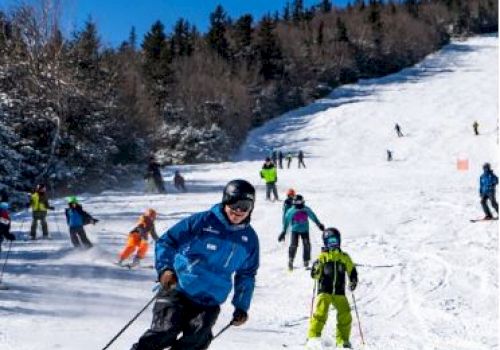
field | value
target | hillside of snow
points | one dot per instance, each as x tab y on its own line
428	277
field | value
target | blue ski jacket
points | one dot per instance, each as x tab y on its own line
487	183
299	219
205	250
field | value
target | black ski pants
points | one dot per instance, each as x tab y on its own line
294	243
79	237
484	203
301	163
173	314
42	217
271	187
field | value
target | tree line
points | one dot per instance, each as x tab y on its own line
138	97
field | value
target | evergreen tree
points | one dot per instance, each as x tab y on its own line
286	12
325	6
243	32
216	36
156	66
154	42
341	31
375	21
412	7
132	39
297	10
181	42
269	50
320	37
86	46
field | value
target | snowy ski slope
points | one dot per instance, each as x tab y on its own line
429	278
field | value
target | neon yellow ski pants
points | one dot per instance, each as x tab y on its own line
344	318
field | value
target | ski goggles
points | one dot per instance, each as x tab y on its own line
332	242
241	205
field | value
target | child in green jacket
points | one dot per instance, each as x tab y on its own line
330	271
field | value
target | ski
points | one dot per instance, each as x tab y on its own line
479	220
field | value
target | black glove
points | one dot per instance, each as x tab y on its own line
239	317
281	237
353	285
10	236
51	208
94	221
321	227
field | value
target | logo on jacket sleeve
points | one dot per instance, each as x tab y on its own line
244	238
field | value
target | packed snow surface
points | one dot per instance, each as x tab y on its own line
428	277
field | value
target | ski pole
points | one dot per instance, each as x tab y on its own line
130	322
5	262
223	330
359	321
312	299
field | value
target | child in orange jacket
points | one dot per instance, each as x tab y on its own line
138	238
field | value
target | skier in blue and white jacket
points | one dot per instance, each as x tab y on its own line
487	188
197	260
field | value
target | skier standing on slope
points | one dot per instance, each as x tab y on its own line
39	203
153	176
298	218
288	203
280	159
138	238
5	224
76	218
270	176
197	260
300	157
475	126
288	158
398	130
330	270
487	188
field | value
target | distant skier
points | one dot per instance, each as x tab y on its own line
288	158
39	204
274	157
153	176
330	271
198	260
270	176
475	126
280	159
389	155
5	224
288	203
398	130
77	218
179	182
298	218
487	188
138	238
300	157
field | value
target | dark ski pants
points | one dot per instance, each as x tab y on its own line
271	187
301	163
173	314
79	237
493	201
42	217
294	243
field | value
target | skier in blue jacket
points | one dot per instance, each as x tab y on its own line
197	261
298	218
487	188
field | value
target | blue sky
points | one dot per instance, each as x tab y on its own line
114	18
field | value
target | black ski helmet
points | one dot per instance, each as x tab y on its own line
298	200
331	238
238	190
486	167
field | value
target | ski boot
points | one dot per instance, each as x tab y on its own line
290	265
